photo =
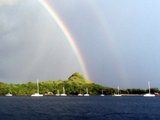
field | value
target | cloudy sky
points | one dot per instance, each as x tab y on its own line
119	41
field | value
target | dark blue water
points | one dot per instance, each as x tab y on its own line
79	108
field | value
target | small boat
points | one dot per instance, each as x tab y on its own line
37	94
57	93
8	94
80	94
117	95
86	92
63	94
102	94
149	94
117	92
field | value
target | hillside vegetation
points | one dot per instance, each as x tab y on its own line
75	84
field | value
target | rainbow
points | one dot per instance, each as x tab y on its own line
67	34
110	38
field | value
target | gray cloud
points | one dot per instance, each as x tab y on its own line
32	46
8	2
119	41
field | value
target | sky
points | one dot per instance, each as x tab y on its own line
118	40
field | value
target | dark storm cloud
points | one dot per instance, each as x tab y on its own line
32	46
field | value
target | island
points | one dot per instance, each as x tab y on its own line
74	85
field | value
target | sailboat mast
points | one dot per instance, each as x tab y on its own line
37	86
149	87
63	90
118	90
87	90
102	91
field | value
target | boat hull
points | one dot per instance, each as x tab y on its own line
149	95
57	94
86	94
80	94
9	94
117	95
63	94
102	95
36	95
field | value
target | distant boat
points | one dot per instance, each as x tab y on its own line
149	94
117	92
57	93
86	92
37	94
80	94
63	94
102	94
8	94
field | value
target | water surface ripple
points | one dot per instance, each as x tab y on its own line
79	108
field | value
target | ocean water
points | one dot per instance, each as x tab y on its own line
79	108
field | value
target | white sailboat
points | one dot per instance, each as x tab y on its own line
117	92
57	93
37	94
86	92
149	94
8	94
80	94
102	94
63	94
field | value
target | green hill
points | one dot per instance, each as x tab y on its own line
75	83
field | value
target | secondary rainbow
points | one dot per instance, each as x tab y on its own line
68	35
